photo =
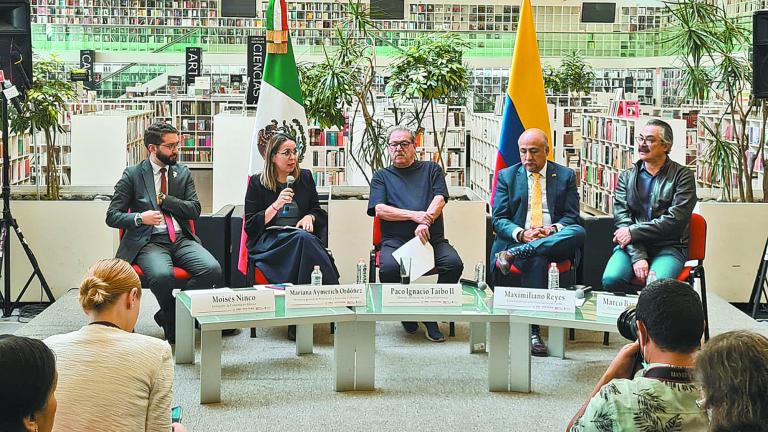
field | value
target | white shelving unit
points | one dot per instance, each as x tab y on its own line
484	138
455	145
98	159
233	132
326	156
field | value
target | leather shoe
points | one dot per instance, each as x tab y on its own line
433	332
538	347
410	327
504	258
503	262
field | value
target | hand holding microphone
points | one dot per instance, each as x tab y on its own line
286	195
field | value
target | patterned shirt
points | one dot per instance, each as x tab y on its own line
644	404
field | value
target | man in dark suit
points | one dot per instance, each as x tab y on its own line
153	203
535	217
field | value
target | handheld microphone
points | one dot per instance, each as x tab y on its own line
581	292
289	182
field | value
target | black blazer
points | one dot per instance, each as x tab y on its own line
258	199
136	191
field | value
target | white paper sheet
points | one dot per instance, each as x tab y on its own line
422	257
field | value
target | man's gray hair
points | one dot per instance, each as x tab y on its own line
394	129
666	132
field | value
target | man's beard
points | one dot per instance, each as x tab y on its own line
166	159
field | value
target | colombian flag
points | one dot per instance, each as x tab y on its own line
525	105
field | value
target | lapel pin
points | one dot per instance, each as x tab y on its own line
174	174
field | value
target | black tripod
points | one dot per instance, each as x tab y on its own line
9	222
761	280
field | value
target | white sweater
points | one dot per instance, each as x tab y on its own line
112	380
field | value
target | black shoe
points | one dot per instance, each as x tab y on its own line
410	327
538	347
169	331
291	332
504	258
433	332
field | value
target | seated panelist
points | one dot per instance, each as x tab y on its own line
283	220
652	208
153	203
535	217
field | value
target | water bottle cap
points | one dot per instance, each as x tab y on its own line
553	264
317	267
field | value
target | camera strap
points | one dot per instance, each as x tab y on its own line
670	373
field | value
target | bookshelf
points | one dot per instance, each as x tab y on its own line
20	153
566	131
727	130
455	144
608	148
484	139
327	155
640	82
98	159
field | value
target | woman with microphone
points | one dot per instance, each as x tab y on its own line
283	219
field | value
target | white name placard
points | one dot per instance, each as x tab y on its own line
532	299
313	296
421	295
612	306
231	302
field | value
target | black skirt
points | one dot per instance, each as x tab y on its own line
289	255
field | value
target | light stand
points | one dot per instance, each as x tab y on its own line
6	223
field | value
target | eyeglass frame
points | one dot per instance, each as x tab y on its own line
644	139
287	153
170	147
402	144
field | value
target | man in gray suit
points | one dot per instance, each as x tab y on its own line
154	203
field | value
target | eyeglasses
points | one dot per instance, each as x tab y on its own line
170	147
647	139
288	153
401	144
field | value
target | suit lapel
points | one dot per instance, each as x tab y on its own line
522	187
149	182
551	190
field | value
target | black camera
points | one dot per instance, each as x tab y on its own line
627	324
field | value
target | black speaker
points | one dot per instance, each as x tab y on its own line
16	42
213	231
236	279
760	54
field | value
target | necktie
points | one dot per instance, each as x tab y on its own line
166	216
537	212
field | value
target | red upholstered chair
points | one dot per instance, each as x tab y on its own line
179	273
697	246
375	260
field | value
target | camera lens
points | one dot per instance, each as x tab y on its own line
627	324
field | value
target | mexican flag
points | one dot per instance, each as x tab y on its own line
280	102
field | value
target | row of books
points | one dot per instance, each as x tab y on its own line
332	159
196	155
599	175
455	178
597	199
450	159
196	124
320	137
195	108
328	178
19	145
20	170
196	140
609	129
617	157
137	125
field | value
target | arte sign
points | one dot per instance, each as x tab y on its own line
257	51
314	296
421	295
193	64
532	299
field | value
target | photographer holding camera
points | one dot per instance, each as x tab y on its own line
667	326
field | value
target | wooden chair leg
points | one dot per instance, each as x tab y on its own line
451	329
606	338
253	332
571	334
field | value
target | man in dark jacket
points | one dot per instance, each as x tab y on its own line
652	207
153	203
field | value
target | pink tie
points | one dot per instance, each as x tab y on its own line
166	216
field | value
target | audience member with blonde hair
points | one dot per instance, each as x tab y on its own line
109	377
733	372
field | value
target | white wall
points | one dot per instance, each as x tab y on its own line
231	155
66	238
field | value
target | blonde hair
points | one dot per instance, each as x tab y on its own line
105	281
269	176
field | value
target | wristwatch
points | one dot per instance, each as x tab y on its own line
137	220
160	198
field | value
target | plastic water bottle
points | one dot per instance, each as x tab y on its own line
362	272
554	276
480	271
317	276
651	278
